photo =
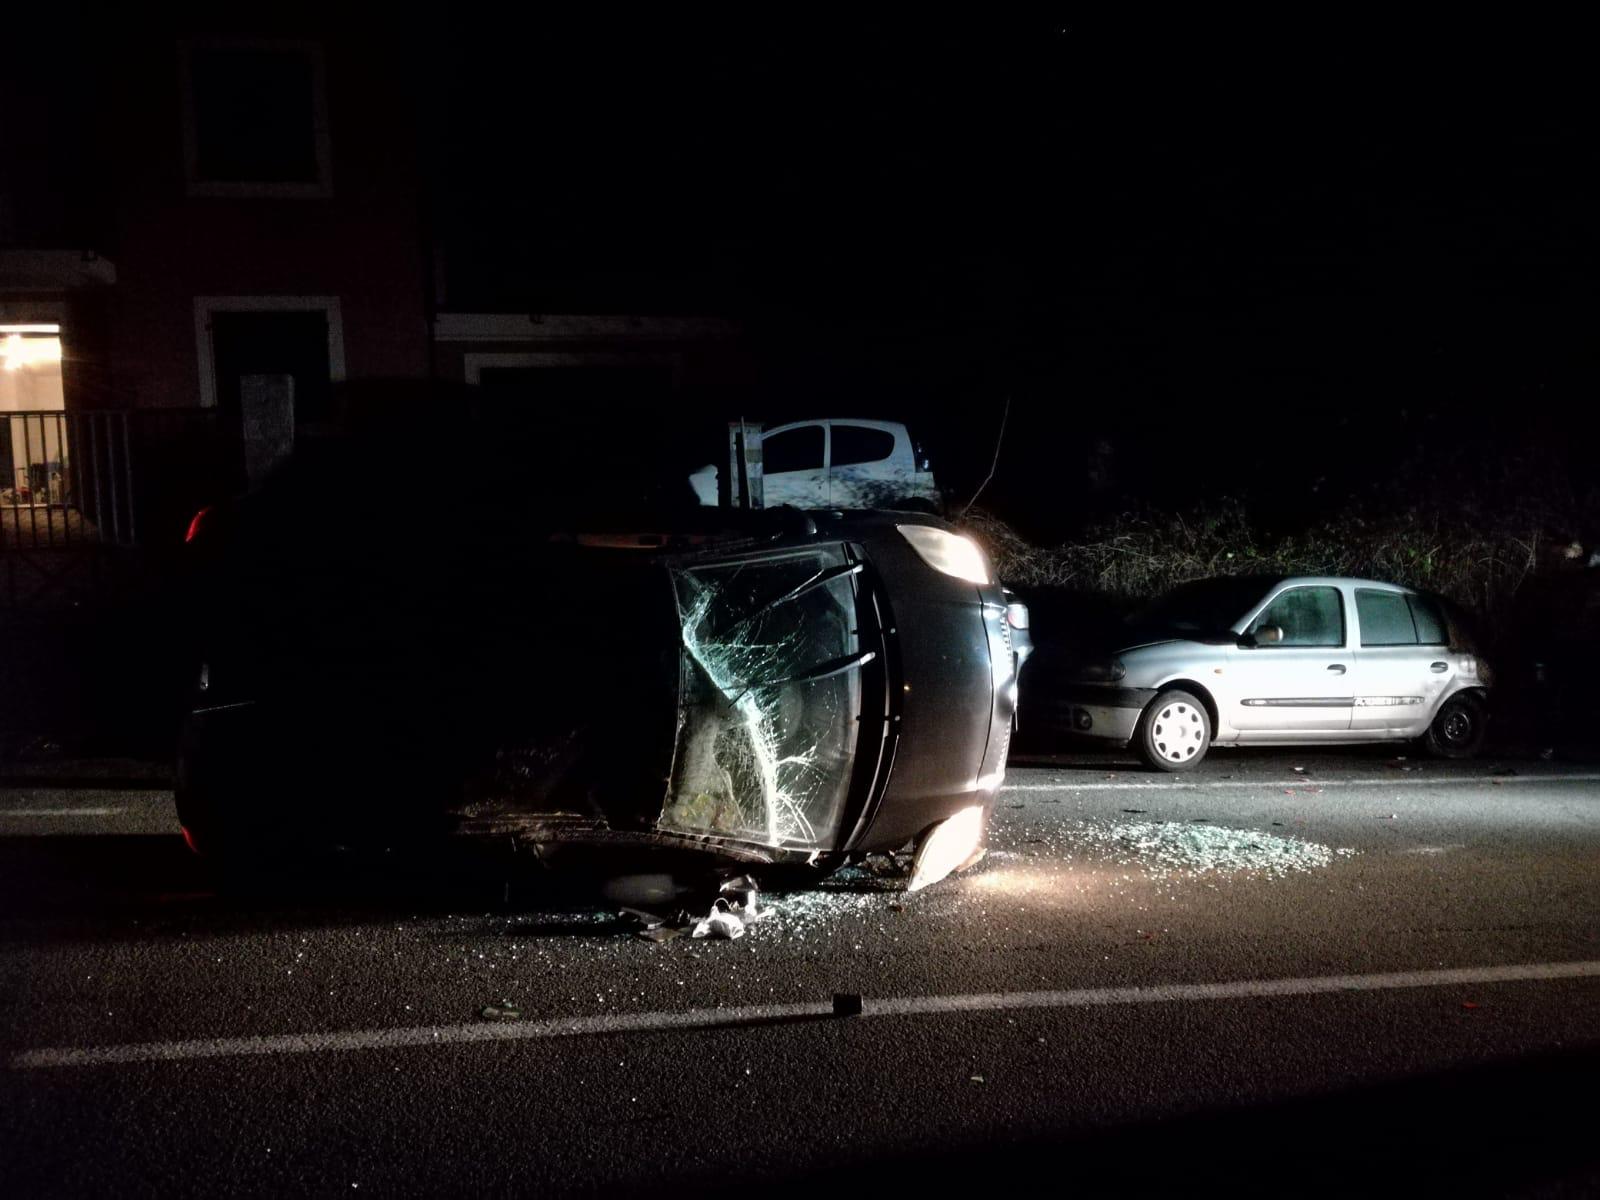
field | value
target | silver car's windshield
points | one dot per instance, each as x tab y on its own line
1203	606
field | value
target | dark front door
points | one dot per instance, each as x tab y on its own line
274	343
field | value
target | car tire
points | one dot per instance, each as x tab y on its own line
1458	728
1174	732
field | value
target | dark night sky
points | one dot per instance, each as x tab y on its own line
1254	255
1260	256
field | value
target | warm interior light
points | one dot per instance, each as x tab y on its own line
17	351
948	845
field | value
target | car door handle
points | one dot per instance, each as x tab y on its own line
1336	668
1438	668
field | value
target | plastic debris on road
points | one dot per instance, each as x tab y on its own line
722	922
742	895
500	1012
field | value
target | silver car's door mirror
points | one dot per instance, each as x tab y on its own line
1269	635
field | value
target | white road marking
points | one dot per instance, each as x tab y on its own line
721	1018
60	812
1308	782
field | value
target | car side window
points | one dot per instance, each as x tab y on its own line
792	450
1308	616
856	444
1431	628
1385	618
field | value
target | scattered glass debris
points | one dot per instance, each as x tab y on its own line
1172	845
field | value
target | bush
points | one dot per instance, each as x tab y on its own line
1477	562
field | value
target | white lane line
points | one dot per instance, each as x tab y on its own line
1306	781
60	812
720	1018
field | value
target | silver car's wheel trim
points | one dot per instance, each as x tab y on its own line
1457	726
1178	733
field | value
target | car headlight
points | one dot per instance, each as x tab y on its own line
1105	670
948	553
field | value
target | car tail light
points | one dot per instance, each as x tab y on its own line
1017	615
195	524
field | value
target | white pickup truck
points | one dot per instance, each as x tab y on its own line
838	463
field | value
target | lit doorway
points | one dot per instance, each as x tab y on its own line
32	405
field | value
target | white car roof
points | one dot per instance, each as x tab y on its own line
887	426
1340	581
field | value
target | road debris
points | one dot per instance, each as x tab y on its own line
721	923
1168	846
741	895
727	919
504	1011
847	1004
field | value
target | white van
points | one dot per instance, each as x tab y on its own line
841	463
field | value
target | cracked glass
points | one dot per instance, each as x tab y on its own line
770	690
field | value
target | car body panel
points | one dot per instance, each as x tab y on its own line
563	692
1274	694
899	477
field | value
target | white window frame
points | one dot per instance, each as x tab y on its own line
206	306
318	189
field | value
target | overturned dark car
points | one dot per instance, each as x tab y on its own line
774	689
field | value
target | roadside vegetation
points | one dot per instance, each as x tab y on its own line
1476	542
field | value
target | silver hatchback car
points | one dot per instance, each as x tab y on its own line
1251	660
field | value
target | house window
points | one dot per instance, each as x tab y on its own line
255	119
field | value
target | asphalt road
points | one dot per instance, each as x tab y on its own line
1367	973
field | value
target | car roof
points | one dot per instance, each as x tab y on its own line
1340	581
870	422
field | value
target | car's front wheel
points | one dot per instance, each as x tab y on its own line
1458	728
1174	733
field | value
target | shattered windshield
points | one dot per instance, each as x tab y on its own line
771	687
